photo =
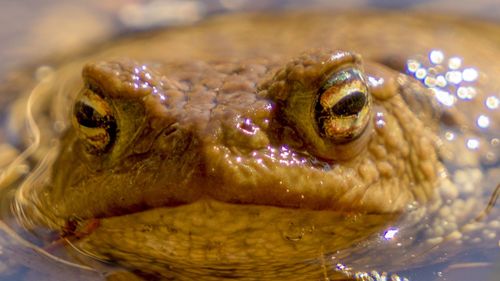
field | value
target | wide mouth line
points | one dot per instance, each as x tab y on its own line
208	202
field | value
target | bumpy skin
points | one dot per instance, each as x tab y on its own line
217	169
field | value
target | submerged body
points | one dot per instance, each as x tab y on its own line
256	147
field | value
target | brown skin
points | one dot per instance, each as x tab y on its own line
207	168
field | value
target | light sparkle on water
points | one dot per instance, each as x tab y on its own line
449	136
454	63
445	77
454	77
483	121
452	82
473	144
492	102
436	56
466	93
413	65
430	81
390	233
469	74
441	81
444	97
421	73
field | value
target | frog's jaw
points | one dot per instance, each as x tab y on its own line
199	239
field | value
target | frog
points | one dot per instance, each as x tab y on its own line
249	147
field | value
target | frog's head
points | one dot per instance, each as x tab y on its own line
323	132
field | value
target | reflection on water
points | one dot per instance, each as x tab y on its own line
451	82
463	218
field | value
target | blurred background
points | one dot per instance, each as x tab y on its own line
31	29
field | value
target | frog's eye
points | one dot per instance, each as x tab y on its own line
342	108
94	122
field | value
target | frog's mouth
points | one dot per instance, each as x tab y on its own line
239	233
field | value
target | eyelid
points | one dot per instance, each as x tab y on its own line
90	98
343	76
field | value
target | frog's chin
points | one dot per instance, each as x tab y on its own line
193	232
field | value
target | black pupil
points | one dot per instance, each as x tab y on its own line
350	105
87	116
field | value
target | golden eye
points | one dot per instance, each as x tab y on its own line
94	122
342	109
